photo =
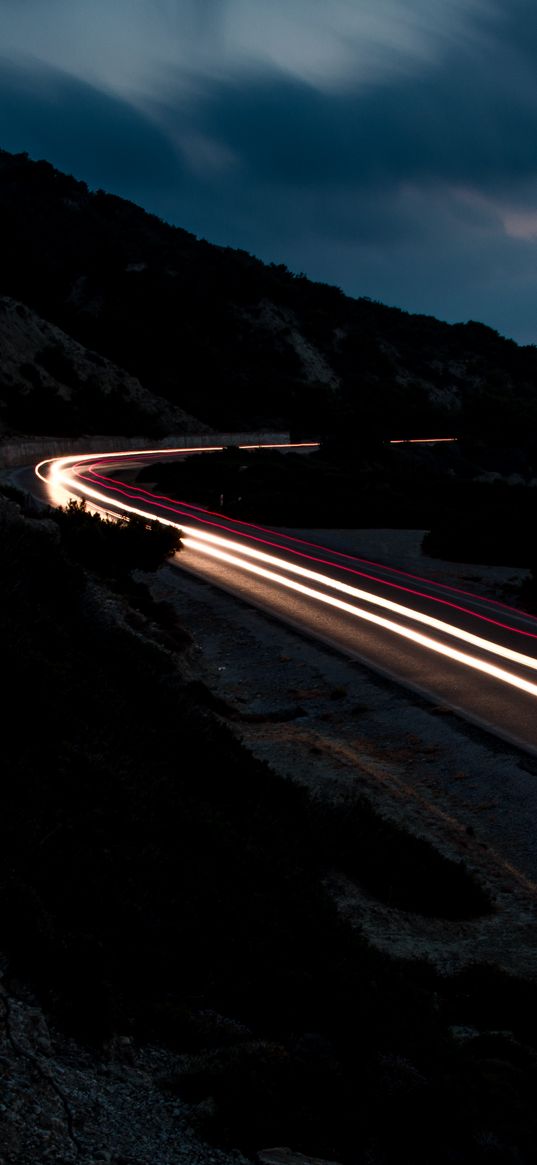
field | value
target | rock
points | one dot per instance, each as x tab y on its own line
288	1157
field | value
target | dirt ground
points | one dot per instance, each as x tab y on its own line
331	724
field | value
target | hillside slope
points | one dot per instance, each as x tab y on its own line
49	383
239	343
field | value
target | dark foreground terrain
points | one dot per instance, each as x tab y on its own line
161	886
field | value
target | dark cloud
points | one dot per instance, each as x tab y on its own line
455	123
96	136
413	180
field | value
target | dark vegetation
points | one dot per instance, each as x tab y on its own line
115	547
470	520
213	329
155	878
86	394
31	406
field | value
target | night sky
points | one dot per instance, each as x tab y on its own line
387	146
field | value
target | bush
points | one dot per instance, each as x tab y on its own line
115	547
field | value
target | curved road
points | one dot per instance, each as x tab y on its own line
461	650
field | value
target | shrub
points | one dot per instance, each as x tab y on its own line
115	547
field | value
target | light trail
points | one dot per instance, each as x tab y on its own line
369	617
134	491
423	440
236	554
368	597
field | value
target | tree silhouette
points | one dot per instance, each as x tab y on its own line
115	547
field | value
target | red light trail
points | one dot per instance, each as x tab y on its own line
234	543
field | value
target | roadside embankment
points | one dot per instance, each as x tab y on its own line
26	450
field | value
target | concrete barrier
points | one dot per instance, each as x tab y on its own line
29	450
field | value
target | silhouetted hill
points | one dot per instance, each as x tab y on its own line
239	343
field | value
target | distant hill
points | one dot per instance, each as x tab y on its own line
238	343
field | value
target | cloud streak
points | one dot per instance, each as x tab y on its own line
385	146
129	43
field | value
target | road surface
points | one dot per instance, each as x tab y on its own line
461	650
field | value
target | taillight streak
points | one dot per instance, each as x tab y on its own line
338	553
370	617
134	491
239	555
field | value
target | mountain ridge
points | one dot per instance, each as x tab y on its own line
236	342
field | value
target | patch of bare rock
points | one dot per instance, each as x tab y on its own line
61	1102
40	361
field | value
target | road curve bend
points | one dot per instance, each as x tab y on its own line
472	654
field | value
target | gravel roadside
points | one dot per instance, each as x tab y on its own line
334	725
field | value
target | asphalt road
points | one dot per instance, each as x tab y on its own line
461	650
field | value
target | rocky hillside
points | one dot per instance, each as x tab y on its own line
239	343
49	383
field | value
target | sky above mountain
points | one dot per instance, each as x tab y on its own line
387	146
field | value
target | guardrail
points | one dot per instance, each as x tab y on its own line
27	451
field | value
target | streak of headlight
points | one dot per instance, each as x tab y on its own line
358	612
368	597
58	465
58	473
295	540
59	476
285	445
298	445
134	492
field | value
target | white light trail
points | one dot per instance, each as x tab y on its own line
388	624
236	554
368	597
